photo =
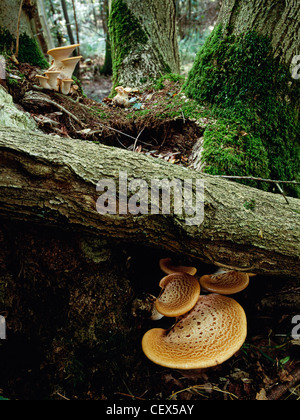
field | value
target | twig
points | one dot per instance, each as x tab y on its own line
18	29
43	98
136	140
279	390
281	192
252	178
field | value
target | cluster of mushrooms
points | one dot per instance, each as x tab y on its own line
59	75
209	328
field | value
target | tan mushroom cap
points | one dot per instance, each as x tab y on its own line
226	283
69	65
212	332
52	76
43	81
179	295
167	266
66	86
61	53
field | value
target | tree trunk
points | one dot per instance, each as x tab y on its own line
29	50
144	40
243	71
52	181
279	21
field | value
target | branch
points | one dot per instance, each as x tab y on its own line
52	181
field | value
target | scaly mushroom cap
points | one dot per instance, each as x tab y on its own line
212	332
226	283
61	53
168	267
43	81
179	295
52	76
69	65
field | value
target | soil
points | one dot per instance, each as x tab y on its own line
42	359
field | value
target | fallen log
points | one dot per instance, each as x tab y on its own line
53	181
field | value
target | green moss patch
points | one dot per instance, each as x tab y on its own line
126	34
29	51
249	92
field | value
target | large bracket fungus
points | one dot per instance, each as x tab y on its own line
209	329
208	335
59	76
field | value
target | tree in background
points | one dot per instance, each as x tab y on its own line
19	29
144	42
243	72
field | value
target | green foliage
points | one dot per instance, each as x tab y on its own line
249	89
29	51
126	34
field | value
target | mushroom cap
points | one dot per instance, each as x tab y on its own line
226	283
52	76
66	86
212	332
43	81
167	266
61	53
179	295
69	65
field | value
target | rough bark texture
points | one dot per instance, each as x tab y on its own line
244	73
52	181
30	38
144	40
279	20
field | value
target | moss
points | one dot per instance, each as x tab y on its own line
126	34
29	51
173	77
246	87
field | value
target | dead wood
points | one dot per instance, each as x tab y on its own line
52	181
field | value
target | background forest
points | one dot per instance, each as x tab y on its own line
86	22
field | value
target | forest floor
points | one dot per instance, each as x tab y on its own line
267	366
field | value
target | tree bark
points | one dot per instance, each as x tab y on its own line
51	181
31	40
278	20
244	71
144	40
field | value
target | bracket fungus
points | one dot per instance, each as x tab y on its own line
167	266
208	335
179	295
59	76
225	283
